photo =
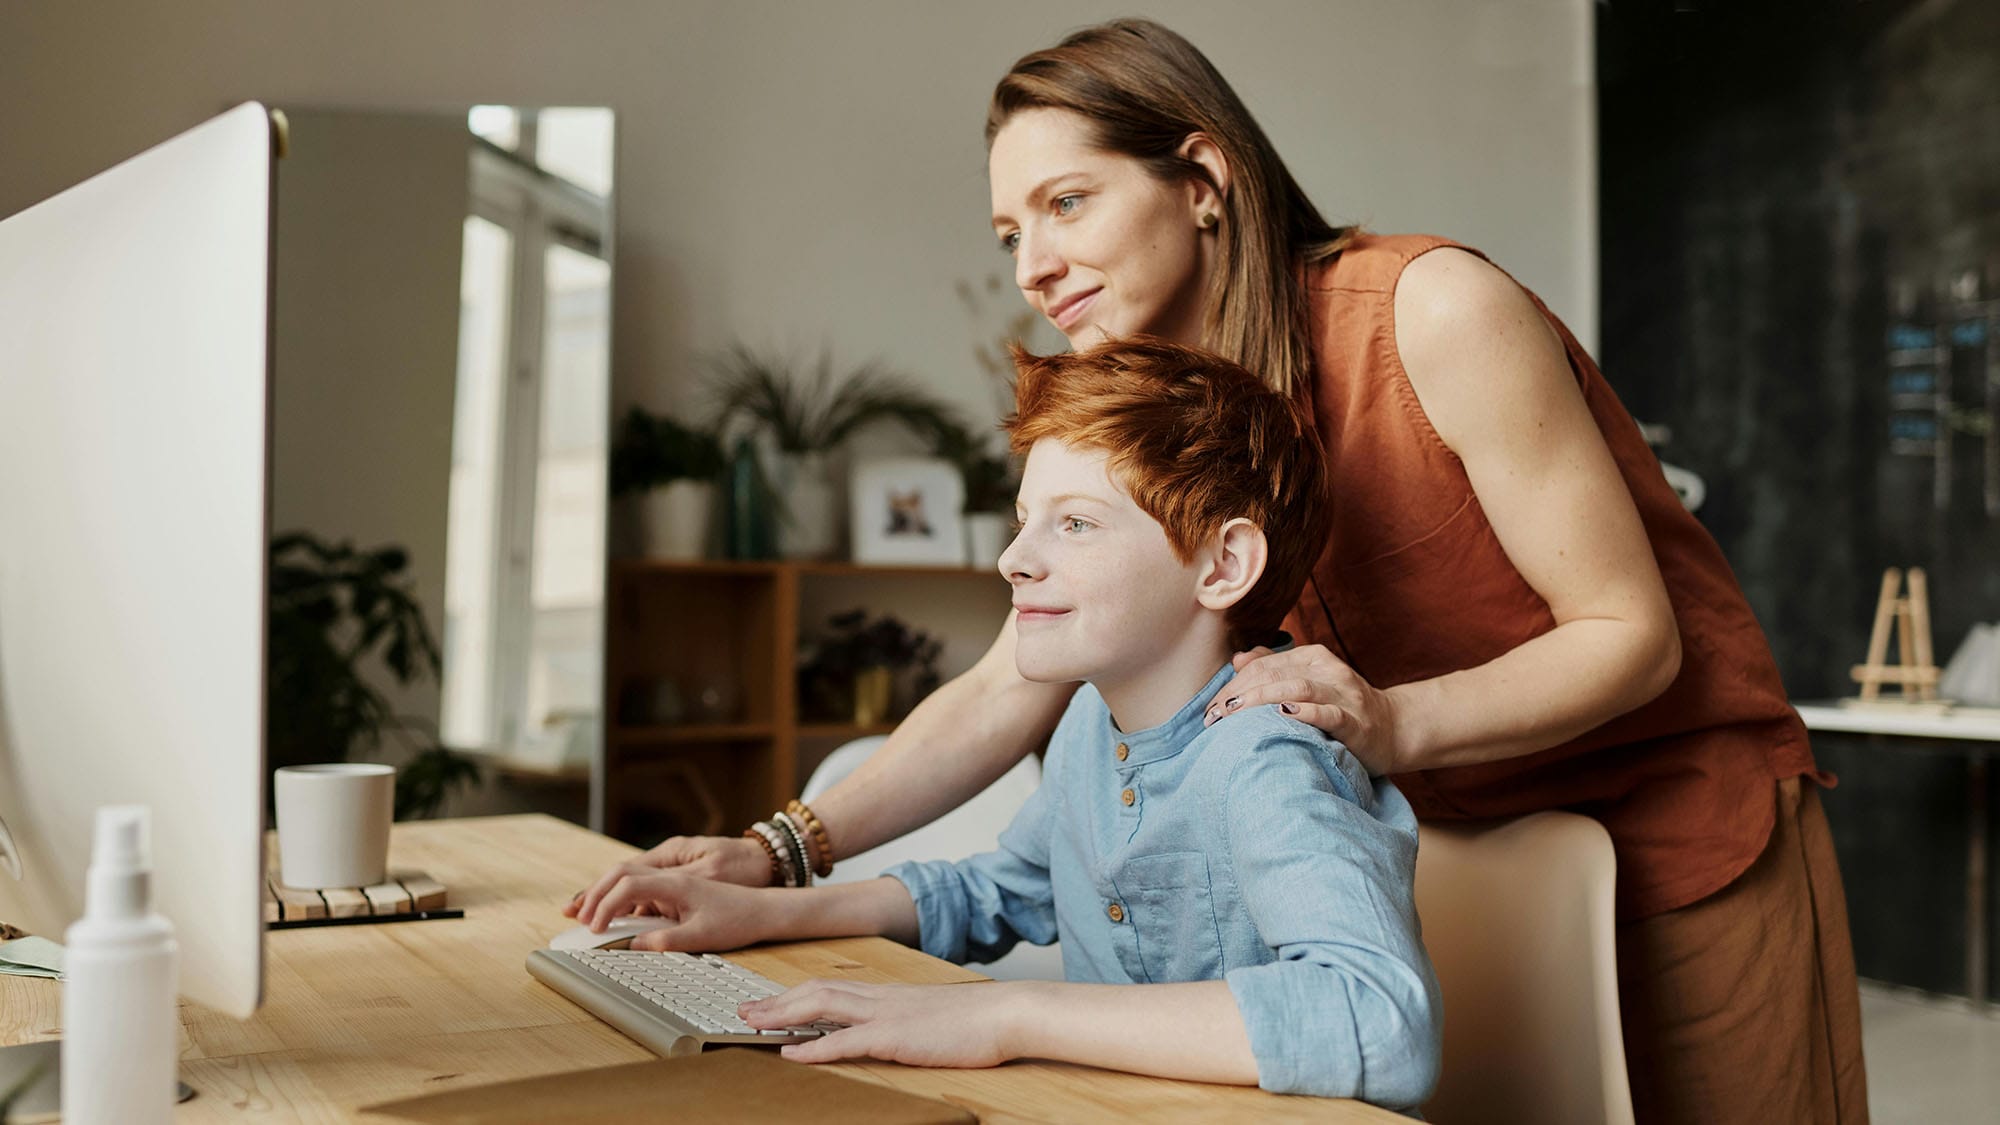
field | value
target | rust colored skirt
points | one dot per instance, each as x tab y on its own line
1742	1007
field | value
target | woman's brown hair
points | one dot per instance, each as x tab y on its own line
1144	89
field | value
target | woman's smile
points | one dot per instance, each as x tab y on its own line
1067	312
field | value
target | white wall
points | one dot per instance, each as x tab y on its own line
365	341
794	174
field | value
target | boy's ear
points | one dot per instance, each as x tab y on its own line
1232	563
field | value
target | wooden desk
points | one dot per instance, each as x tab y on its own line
1976	735
355	1015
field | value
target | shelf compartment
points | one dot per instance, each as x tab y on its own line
669	734
765	568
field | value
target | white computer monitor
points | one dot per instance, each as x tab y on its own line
134	399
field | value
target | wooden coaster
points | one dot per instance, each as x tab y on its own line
402	893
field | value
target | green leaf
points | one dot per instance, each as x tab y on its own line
818	411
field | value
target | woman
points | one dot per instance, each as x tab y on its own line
1512	613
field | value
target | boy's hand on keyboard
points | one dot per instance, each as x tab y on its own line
917	1024
708	915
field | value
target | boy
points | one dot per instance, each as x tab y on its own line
1249	874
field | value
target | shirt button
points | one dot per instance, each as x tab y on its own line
1122	751
1115	912
1128	797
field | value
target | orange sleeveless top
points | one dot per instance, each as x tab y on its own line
1414	584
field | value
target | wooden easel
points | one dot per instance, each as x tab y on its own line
1916	673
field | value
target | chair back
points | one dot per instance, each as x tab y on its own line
1517	916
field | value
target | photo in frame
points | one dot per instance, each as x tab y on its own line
906	511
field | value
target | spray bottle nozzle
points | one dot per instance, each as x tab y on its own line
121	838
120	861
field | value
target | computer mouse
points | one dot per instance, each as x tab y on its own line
617	935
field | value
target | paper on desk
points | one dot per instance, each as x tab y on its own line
31	957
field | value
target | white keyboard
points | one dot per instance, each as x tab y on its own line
670	1003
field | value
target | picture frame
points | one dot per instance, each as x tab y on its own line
907	511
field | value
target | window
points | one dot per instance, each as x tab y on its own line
524	586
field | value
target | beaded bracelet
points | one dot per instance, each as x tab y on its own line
776	872
822	844
796	840
807	857
774	839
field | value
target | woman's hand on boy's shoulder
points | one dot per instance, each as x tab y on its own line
961	1025
1316	687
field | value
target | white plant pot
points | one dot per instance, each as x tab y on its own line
985	538
809	527
674	520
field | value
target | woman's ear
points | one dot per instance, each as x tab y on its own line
1207	198
1235	561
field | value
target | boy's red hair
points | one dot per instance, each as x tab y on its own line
1196	441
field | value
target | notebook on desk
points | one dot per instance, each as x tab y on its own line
726	1086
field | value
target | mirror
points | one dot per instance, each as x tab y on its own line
441	399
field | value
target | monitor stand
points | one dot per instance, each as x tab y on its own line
31	1083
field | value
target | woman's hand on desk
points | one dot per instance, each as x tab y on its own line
727	859
965	1025
722	858
708	915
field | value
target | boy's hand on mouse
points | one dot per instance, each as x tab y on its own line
964	1025
1313	685
707	915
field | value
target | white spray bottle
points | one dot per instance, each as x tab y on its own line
120	1030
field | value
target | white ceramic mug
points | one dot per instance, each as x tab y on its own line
333	824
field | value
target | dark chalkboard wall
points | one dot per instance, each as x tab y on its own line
1790	200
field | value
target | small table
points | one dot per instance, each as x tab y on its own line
1977	736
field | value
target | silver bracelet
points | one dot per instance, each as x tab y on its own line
781	847
791	824
798	839
789	861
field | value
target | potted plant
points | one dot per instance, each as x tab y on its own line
807	418
990	486
335	610
852	671
671	469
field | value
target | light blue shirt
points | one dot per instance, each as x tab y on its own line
1256	851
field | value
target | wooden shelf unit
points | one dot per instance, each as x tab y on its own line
734	626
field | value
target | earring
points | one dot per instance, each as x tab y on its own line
1208	220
